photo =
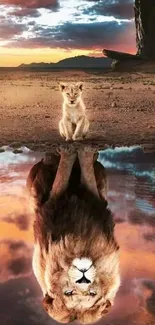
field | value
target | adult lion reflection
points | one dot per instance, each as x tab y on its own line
76	258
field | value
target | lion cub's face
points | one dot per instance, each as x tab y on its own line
71	93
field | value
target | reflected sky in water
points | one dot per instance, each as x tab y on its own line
131	197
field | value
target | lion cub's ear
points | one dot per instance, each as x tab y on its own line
80	85
62	86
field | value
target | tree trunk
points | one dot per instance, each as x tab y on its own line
115	55
145	28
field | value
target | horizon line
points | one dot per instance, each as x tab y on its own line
33	62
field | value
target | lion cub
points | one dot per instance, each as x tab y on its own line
74	124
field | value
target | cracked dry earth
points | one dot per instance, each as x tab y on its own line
120	107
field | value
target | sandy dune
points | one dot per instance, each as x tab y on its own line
120	106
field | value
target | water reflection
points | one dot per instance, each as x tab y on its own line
131	197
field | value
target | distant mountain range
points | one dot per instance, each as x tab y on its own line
80	62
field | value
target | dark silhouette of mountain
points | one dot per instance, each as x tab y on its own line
36	65
80	62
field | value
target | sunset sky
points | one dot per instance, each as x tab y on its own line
51	30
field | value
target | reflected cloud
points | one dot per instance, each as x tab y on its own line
16	257
138	217
130	159
145	291
21	221
13	169
23	299
150	302
149	237
132	188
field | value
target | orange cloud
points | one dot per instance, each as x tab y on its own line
32	3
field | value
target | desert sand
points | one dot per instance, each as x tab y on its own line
120	107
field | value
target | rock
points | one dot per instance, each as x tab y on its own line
17	151
2	150
106	87
15	145
113	105
115	55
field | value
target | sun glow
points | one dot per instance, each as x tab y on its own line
14	57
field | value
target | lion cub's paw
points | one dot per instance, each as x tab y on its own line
75	138
66	150
88	149
68	139
88	152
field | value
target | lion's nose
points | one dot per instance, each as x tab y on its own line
83	280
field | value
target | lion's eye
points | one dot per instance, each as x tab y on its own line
68	293
68	94
92	293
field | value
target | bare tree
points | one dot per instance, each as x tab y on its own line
145	27
145	35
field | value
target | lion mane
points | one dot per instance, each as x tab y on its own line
74	225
